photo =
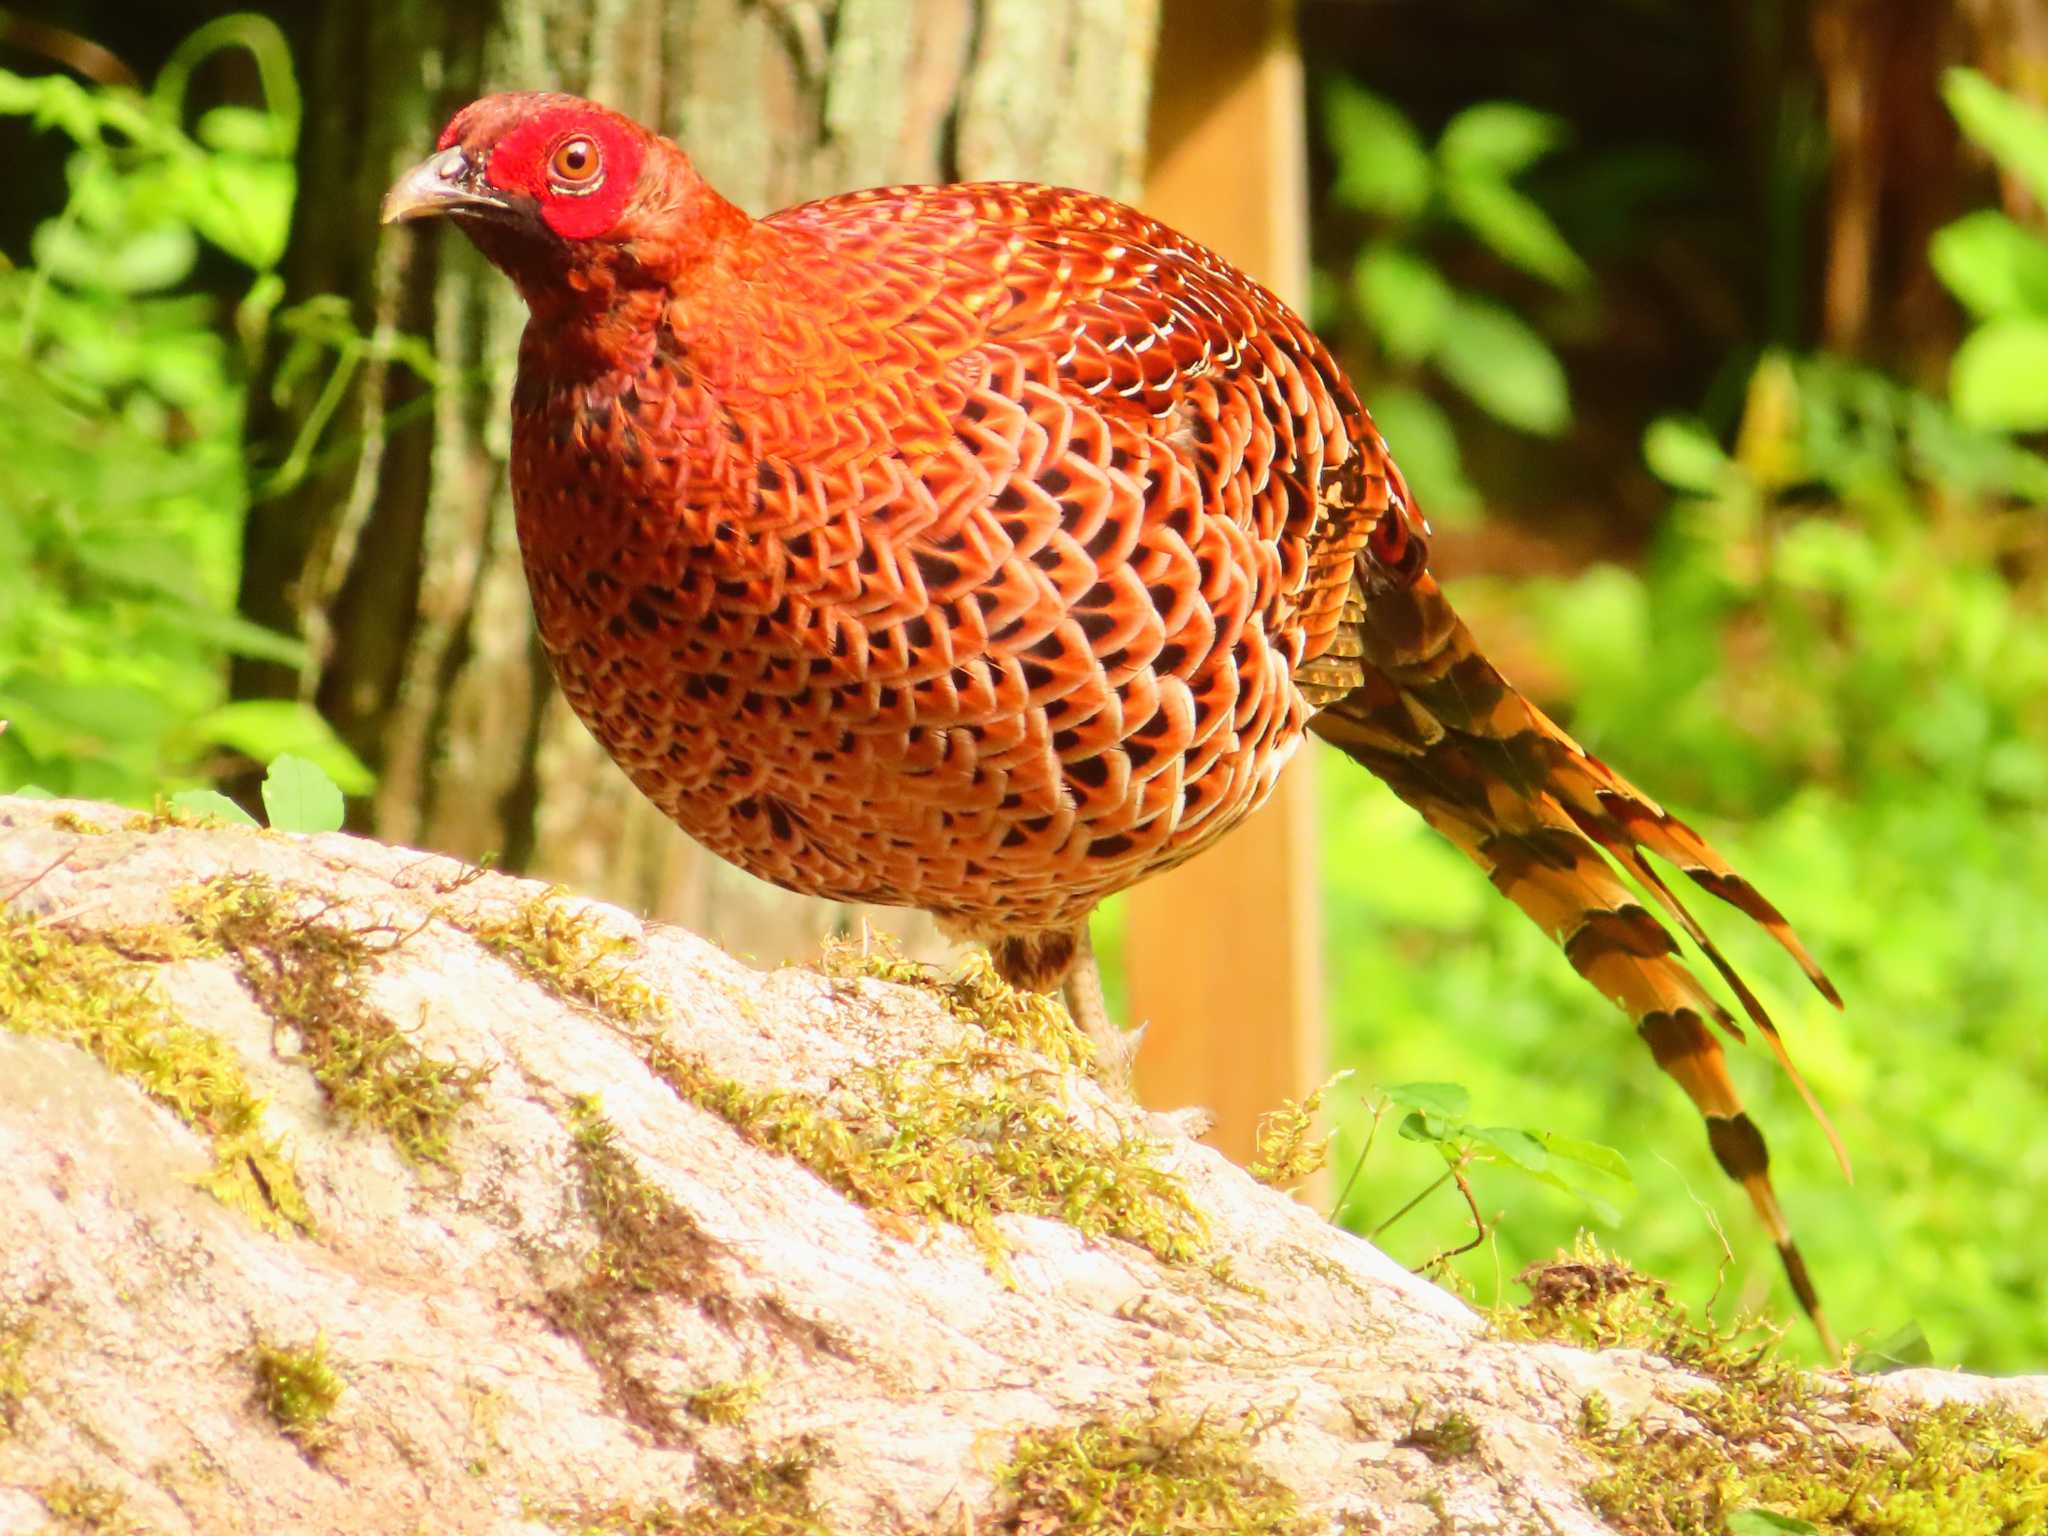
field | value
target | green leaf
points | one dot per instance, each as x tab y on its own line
1418	1126
142	260
1495	357
1405	300
241	637
1517	1147
104	712
1425	445
298	797
31	792
1992	265
248	209
1514	228
2011	131
1382	164
1763	1522
1999	378
1685	456
1589	1154
261	729
213	806
1498	139
1449	1100
1905	1350
245	131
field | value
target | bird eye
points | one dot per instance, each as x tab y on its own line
574	166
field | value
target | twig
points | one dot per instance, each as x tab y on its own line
1457	1172
80	55
33	880
1379	1113
1374	1234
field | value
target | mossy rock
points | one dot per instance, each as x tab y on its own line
352	1189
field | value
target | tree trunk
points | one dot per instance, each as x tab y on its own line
1899	168
395	556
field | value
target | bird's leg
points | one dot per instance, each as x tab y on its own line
1115	1049
1039	960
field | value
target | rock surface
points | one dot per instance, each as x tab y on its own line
567	1265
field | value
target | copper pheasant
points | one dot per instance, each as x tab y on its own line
988	548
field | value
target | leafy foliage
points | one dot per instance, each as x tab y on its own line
297	797
1998	269
125	480
1839	645
1418	199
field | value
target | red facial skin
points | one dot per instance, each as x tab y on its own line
988	548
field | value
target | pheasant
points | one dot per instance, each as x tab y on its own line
987	548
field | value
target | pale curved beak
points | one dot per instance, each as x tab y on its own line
442	183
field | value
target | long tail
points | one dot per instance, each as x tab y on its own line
1490	771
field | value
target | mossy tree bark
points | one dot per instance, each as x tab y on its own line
395	556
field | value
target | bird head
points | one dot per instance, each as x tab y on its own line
563	194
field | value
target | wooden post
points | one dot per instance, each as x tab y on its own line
1223	956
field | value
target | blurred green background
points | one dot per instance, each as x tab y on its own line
1713	337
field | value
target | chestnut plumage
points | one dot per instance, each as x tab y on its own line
987	548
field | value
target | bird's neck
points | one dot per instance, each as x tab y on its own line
696	293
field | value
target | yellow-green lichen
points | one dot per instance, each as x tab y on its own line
767	1495
89	991
308	966
964	1136
298	1388
1157	1474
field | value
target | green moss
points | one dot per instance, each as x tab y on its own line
309	972
1595	1414
89	1508
963	1137
646	1242
953	1139
89	991
1762	1446
298	1388
1156	1476
974	994
760	1496
1768	1438
1596	1301
646	1246
1288	1148
567	951
723	1402
16	1334
1450	1438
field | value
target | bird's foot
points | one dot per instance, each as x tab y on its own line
1193	1122
1116	1050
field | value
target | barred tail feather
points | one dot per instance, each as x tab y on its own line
1497	777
